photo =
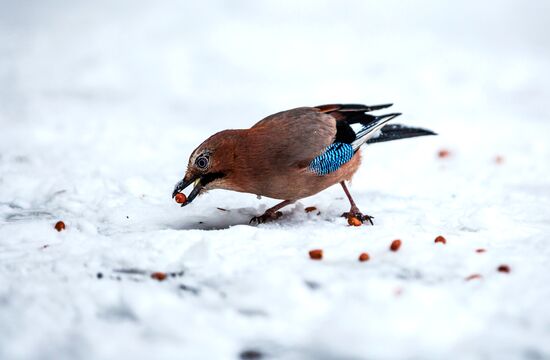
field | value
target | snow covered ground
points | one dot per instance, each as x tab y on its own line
102	102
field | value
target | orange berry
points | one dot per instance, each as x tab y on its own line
180	198
353	221
160	276
59	226
364	257
440	239
316	254
395	245
443	153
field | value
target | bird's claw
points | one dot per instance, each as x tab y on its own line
358	215
266	217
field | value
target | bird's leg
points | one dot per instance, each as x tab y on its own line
354	211
271	213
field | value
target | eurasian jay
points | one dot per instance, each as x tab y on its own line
292	154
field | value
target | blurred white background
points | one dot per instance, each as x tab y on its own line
211	61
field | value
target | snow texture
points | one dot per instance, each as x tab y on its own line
101	103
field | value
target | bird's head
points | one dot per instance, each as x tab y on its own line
209	165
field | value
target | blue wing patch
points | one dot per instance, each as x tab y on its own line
334	156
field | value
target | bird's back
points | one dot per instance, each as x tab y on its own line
292	138
275	154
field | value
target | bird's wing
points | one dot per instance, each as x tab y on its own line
353	128
320	139
294	137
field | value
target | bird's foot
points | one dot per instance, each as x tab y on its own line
355	213
266	217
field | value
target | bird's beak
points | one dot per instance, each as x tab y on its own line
183	184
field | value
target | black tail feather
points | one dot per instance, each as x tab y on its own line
351	108
397	131
362	108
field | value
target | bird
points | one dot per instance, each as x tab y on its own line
292	155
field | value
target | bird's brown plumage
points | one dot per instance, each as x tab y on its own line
265	160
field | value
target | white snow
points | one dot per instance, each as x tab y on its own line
102	102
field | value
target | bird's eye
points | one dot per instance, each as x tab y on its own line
202	162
